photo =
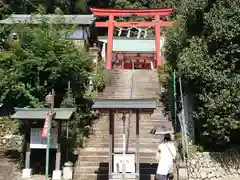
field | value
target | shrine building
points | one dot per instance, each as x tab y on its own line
127	52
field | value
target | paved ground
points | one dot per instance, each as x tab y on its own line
36	177
8	170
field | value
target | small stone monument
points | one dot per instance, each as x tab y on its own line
68	171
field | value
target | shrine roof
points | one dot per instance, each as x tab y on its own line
128	104
55	19
126	38
123	44
40	113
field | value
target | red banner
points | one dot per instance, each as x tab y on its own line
45	127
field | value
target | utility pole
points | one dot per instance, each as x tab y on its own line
50	102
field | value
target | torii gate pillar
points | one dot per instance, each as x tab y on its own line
110	24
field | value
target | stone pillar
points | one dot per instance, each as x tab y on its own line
95	52
57	173
137	145
111	142
27	171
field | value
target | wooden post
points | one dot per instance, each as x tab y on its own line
28	150
58	153
111	141
137	144
157	41
110	42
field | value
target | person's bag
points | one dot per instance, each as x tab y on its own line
170	176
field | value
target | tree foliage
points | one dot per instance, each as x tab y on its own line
204	46
39	59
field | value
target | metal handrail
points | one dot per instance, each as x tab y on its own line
126	131
130	113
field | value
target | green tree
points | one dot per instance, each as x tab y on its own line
204	47
4	9
67	6
40	59
140	3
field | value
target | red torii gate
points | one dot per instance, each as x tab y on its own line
157	23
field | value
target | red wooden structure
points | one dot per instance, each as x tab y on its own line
142	60
112	13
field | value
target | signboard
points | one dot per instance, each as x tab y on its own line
128	159
39	142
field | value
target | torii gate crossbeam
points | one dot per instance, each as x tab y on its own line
111	23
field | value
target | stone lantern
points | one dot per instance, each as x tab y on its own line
95	52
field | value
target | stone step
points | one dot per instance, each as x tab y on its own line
127	96
119	129
148	124
104	170
145	134
105	164
135	91
119	145
142	134
121	83
142	127
103	154
156	113
120	95
119	142
127	90
106	158
148	121
105	151
105	177
154	119
132	138
118	133
144	119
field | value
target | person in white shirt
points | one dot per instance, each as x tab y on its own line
167	154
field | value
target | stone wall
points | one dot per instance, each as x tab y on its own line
215	165
10	144
8	138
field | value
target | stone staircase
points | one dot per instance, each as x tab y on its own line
92	163
144	85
